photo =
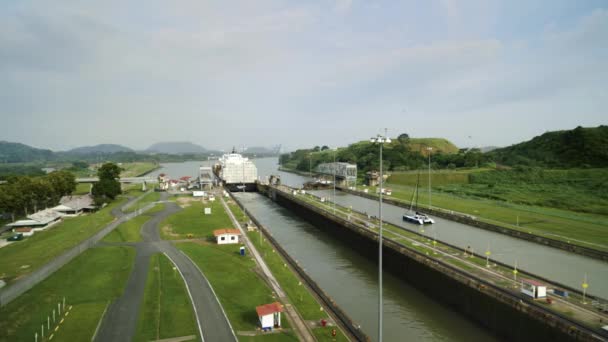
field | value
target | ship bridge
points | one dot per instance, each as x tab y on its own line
345	172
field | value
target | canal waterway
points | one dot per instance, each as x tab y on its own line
352	281
551	263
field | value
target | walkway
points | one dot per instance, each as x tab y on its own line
120	322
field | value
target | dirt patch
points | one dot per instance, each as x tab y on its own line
168	231
185	202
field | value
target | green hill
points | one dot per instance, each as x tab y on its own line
580	147
439	145
19	153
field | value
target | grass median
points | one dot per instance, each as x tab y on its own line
192	222
166	311
23	257
89	283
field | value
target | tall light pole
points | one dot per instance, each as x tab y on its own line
381	140
334	169
430	149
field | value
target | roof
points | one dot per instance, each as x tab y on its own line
45	216
268	309
77	202
22	223
532	282
219	232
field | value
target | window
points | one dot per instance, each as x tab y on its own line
232	237
222	238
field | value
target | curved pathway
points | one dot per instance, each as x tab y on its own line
120	321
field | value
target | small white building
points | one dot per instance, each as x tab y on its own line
196	193
269	315
226	236
533	288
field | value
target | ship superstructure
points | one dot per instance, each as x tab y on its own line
236	172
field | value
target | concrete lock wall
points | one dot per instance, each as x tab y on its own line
465	219
492	307
16	289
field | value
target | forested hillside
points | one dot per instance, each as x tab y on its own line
580	147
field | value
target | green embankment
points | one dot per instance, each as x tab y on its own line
23	257
136	169
166	310
296	291
192	220
577	228
88	283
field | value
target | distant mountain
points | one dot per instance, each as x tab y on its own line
19	153
579	147
260	150
175	148
100	149
486	149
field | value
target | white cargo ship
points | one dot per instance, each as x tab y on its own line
236	172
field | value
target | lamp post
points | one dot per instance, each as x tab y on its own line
381	140
430	149
334	169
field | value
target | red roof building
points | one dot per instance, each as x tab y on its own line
270	315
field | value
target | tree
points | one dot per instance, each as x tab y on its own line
403	138
325	147
108	186
62	182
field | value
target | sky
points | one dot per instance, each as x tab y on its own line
299	73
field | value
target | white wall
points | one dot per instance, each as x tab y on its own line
227	239
267	321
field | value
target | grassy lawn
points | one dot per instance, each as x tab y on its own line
137	168
23	257
192	220
89	283
324	334
150	197
166	311
82	189
579	228
130	231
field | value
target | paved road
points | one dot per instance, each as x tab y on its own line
120	321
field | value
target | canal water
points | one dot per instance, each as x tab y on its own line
352	281
551	263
